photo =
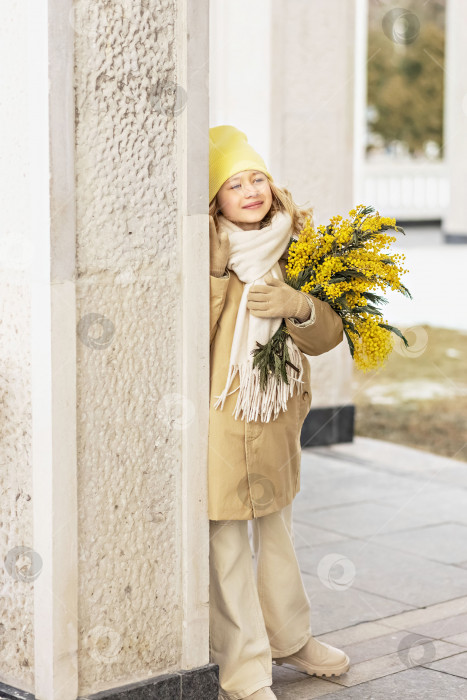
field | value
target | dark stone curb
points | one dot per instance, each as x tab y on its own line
328	425
407	223
196	683
7	691
455	237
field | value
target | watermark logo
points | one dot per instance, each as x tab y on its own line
401	26
336	571
258	489
168	98
176	411
93	341
417	337
415	650
104	644
23	563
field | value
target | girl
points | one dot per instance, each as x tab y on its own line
259	612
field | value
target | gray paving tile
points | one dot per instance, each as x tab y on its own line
306	689
405	622
382	457
391	457
333	484
455	665
379	533
385	572
412	500
440	629
431	613
415	683
309	536
446	504
361	632
284	675
356	519
297	685
415	654
377	646
405	518
459	639
316	468
333	609
446	542
456	476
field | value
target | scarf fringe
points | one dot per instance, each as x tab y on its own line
251	401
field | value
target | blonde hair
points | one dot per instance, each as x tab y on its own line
281	201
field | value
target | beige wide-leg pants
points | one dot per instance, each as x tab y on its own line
259	608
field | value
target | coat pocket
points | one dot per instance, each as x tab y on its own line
306	394
305	404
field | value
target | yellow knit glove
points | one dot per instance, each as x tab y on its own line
277	299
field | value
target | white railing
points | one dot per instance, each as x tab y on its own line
406	191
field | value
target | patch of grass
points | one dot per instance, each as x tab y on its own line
420	398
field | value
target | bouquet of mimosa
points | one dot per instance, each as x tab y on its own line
343	264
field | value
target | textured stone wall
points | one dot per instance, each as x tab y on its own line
128	374
16	526
16	237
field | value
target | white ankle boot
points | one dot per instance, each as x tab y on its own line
317	659
262	694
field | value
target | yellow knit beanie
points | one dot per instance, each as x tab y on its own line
230	153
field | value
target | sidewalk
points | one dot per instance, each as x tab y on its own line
381	535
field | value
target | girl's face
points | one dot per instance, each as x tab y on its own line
239	192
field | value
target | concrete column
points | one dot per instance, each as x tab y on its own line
317	71
193	227
38	493
455	121
240	69
53	376
104	349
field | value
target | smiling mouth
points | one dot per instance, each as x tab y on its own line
251	206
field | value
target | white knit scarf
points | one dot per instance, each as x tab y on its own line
252	255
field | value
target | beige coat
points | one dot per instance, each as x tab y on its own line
254	468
